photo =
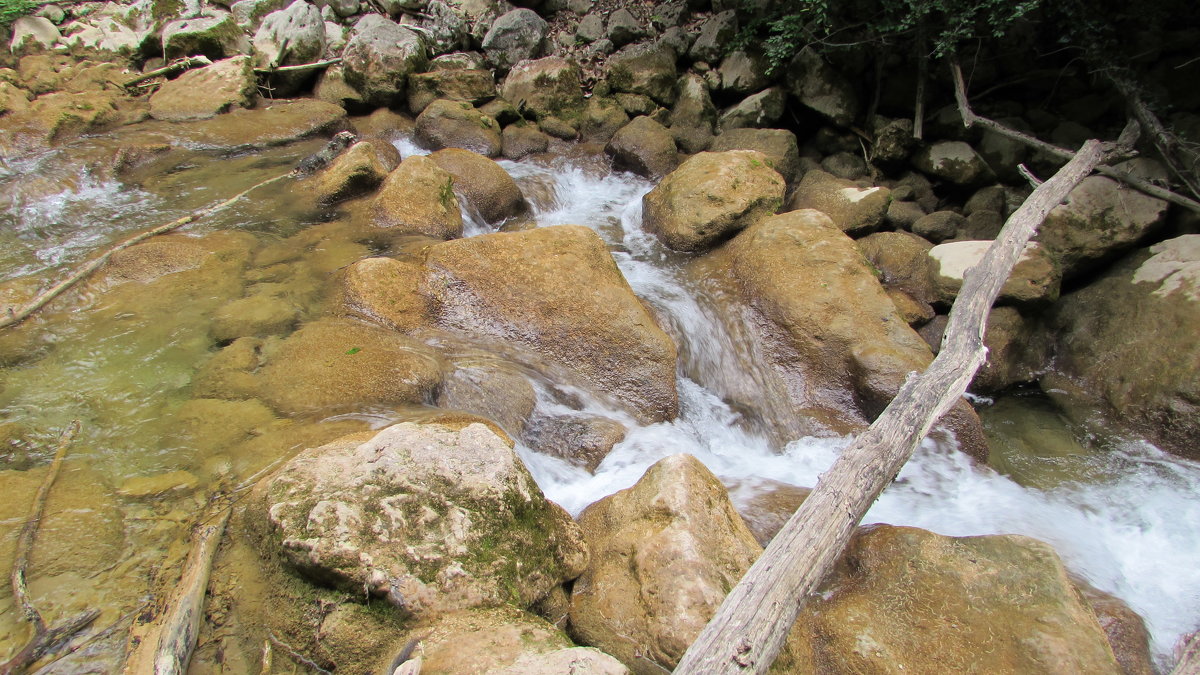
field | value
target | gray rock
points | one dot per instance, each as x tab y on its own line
743	73
248	14
623	28
291	36
447	28
679	40
902	214
644	147
379	58
514	37
344	8
893	141
602	118
779	146
645	69
548	86
939	226
31	34
591	28
715	34
818	86
693	116
955	162
845	165
580	439
758	110
473	86
52	13
216	36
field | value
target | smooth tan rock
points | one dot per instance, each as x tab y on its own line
428	518
556	291
206	92
357	171
141	487
384	291
779	145
207	425
488	188
547	86
278	124
256	315
1034	280
492	388
457	124
710	197
644	147
339	365
855	210
955	162
519	140
486	641
1017	351
475	86
902	260
580	439
418	198
910	601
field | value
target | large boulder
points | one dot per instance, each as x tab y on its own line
475	86
910	601
955	162
1127	349
384	291
206	92
1016	351
902	259
487	187
418	198
493	388
855	210
357	171
779	145
646	69
32	34
710	197
1101	219
379	58
428	517
278	124
644	147
602	118
693	116
665	552
819	87
557	292
716	33
757	110
833	334
457	124
291	36
545	87
340	365
1034	280
516	36
215	35
743	73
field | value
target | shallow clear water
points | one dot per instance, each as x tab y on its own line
1123	515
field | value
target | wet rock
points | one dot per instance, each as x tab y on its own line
1126	347
206	92
939	226
516	36
488	188
645	69
383	291
644	147
339	364
331	87
693	116
493	389
855	210
1124	628
817	86
32	34
715	35
288	37
1034	280
61	116
279	124
228	374
13	98
207	426
834	330
1017	351
765	505
257	315
580	439
1101	219
519	140
379	58
357	171
664	554
418	198
170	254
457	124
601	119
779	146
470	85
557	292
501	640
428	518
549	86
710	197
216	36
955	162
144	487
914	311
758	110
959	591
902	260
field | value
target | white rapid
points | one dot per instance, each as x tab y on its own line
1131	534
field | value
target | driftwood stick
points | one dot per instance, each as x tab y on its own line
752	624
99	635
971	119
164	645
181	64
44	638
317	65
44	298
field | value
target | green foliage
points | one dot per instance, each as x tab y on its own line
11	10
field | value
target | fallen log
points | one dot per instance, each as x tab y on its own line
316	65
180	64
750	627
163	641
45	638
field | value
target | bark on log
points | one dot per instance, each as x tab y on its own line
750	627
317	65
164	645
970	119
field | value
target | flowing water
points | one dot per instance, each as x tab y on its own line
1121	514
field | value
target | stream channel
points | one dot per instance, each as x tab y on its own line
1122	514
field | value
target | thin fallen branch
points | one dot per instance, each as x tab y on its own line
316	65
181	64
971	119
163	644
44	298
44	638
296	656
99	635
1166	142
753	622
